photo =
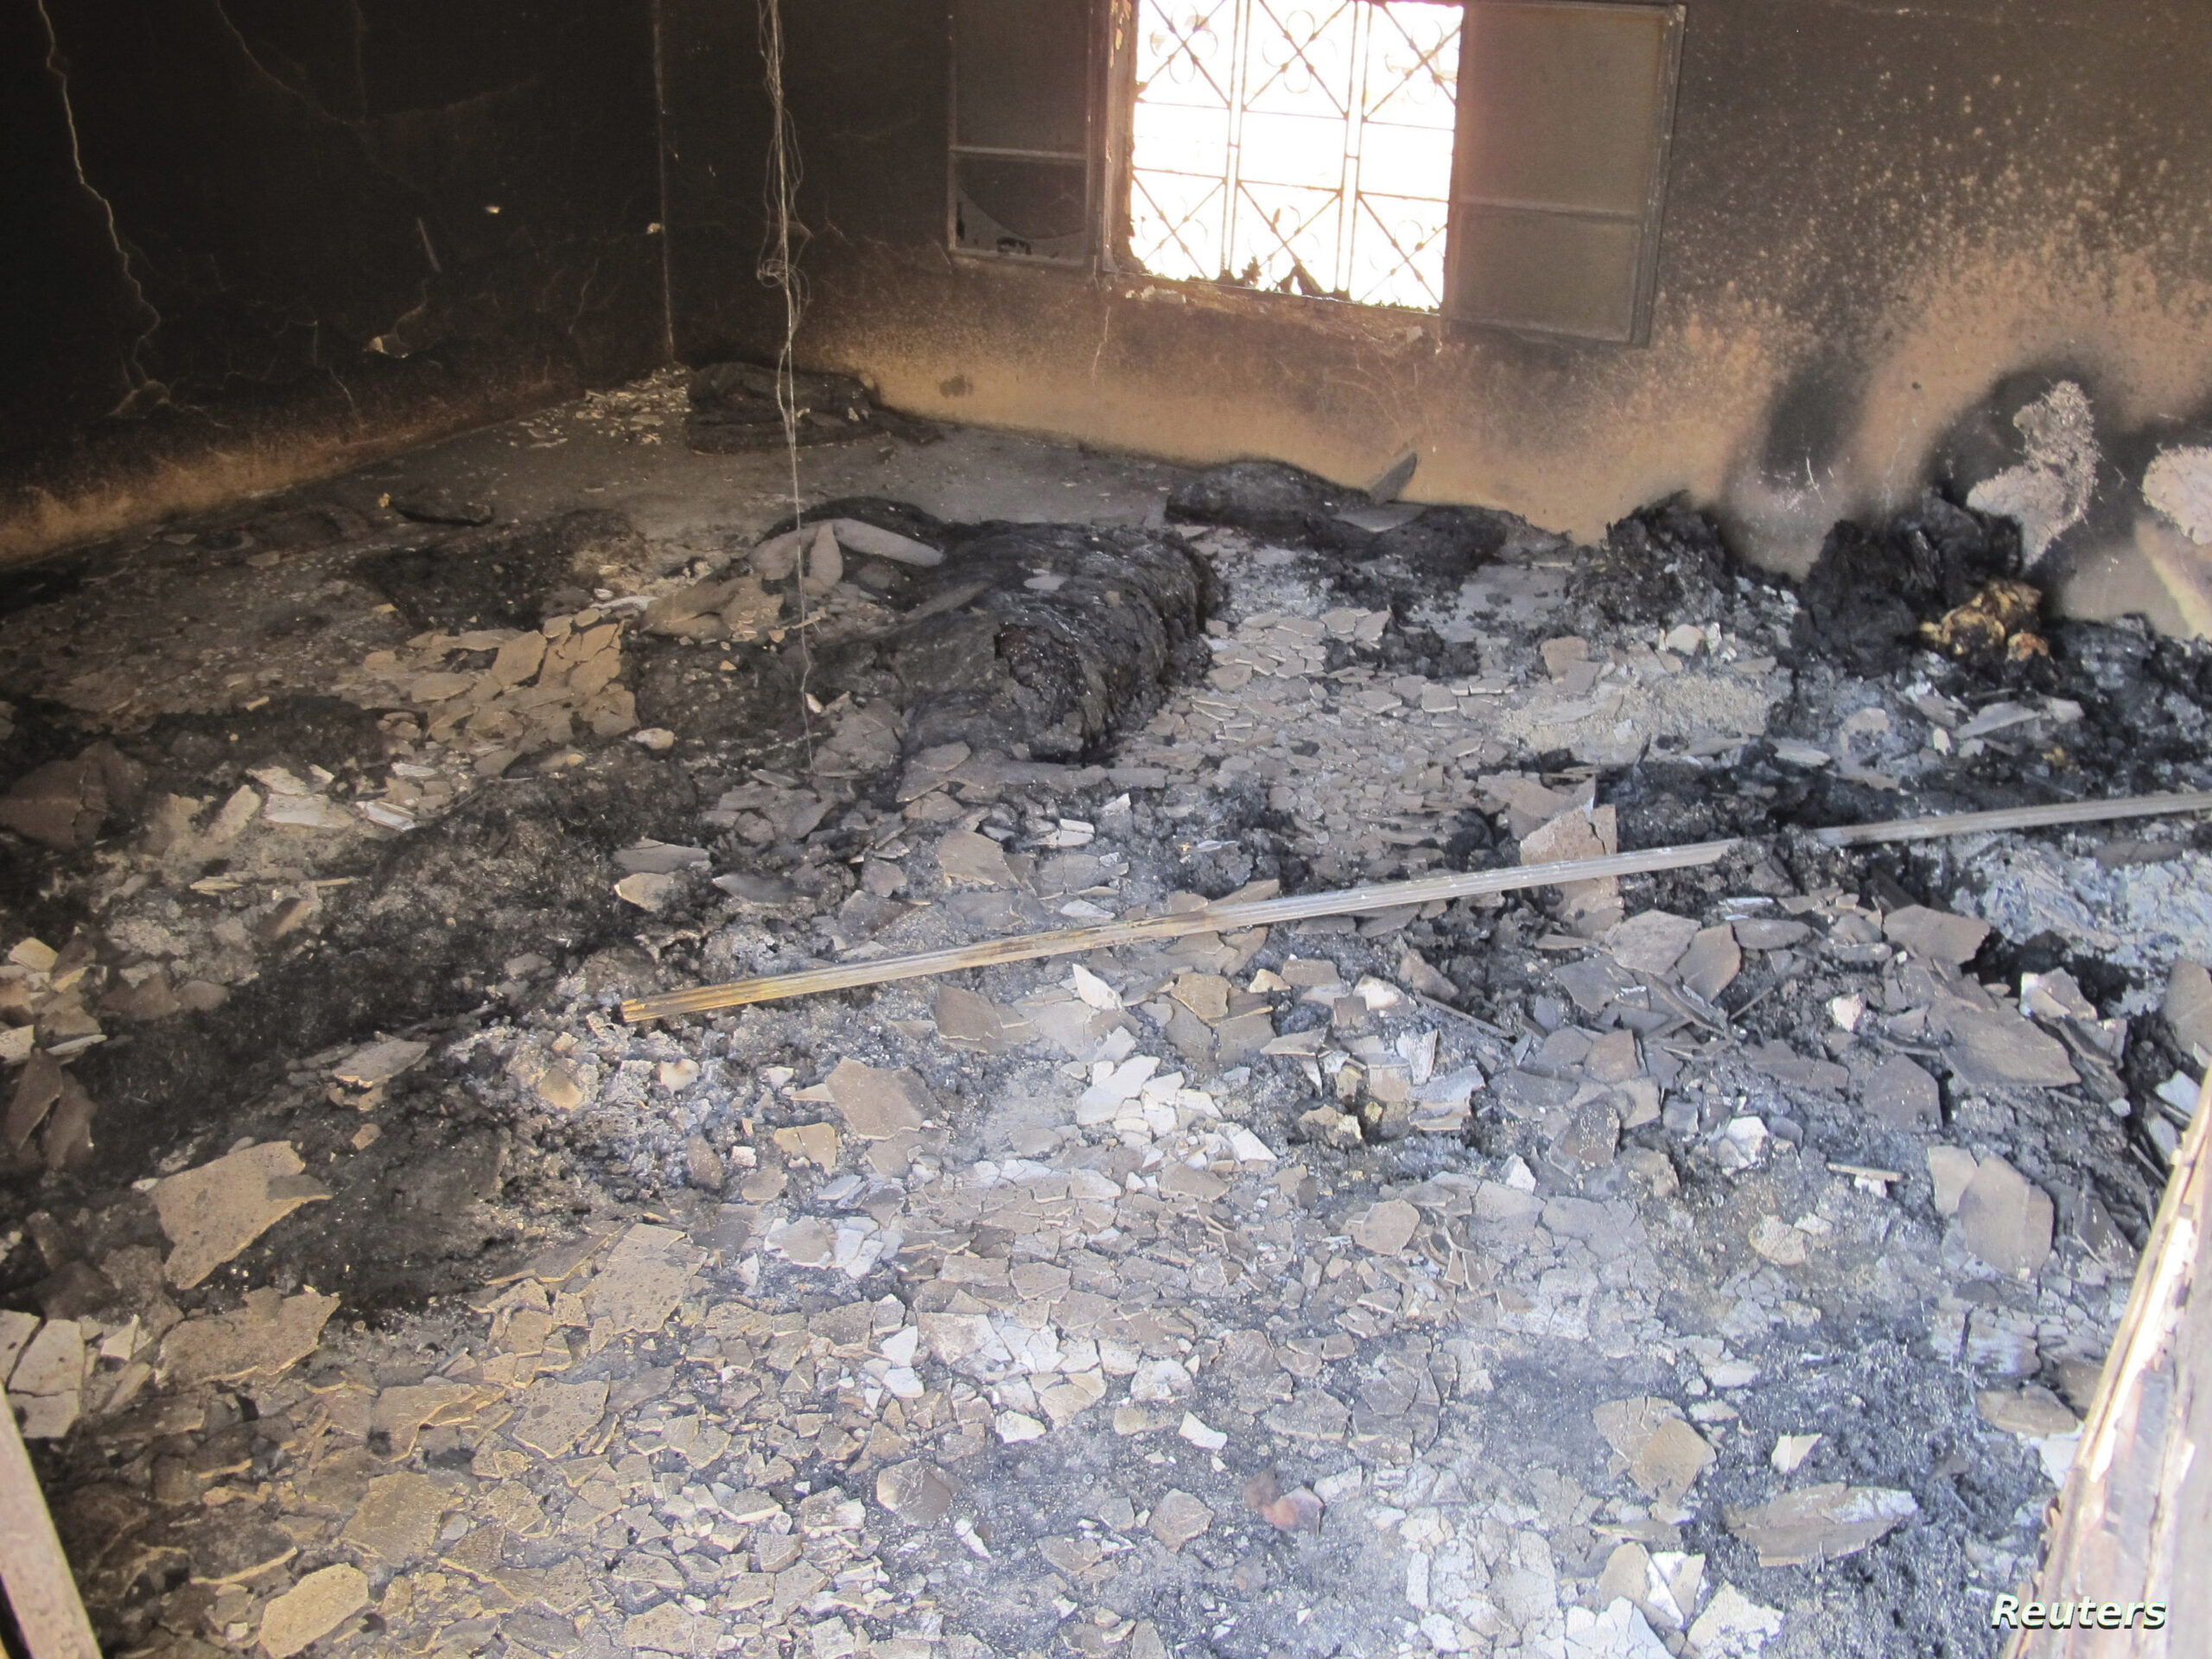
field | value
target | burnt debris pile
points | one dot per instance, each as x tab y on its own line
1916	670
733	408
1573	1269
1874	598
395	786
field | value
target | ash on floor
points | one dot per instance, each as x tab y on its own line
1709	1264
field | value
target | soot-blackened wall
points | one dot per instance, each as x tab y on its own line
1887	228
253	237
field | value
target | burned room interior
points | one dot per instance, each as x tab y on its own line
964	828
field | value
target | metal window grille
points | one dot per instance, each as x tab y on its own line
1306	149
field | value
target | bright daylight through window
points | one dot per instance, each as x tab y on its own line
1305	149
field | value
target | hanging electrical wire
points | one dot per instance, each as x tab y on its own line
779	268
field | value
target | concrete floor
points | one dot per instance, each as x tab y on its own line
1235	1297
624	451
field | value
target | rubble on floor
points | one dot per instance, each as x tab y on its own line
736	407
1712	1263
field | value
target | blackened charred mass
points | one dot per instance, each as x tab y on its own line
1870	590
1663	565
1038	638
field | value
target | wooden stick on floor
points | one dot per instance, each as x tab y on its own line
1354	901
1214	918
34	1573
2140	1489
2013	817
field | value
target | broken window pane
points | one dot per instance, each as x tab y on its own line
1021	163
1012	205
1305	149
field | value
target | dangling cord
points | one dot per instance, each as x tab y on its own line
779	269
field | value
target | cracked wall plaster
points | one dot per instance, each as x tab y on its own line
2179	485
2049	492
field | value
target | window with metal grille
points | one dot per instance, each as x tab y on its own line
1495	161
1306	150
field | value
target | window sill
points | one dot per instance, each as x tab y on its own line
1340	318
1228	298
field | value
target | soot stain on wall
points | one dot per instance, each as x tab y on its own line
1876	223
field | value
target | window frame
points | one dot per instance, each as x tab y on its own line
1647	220
1093	158
1109	82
